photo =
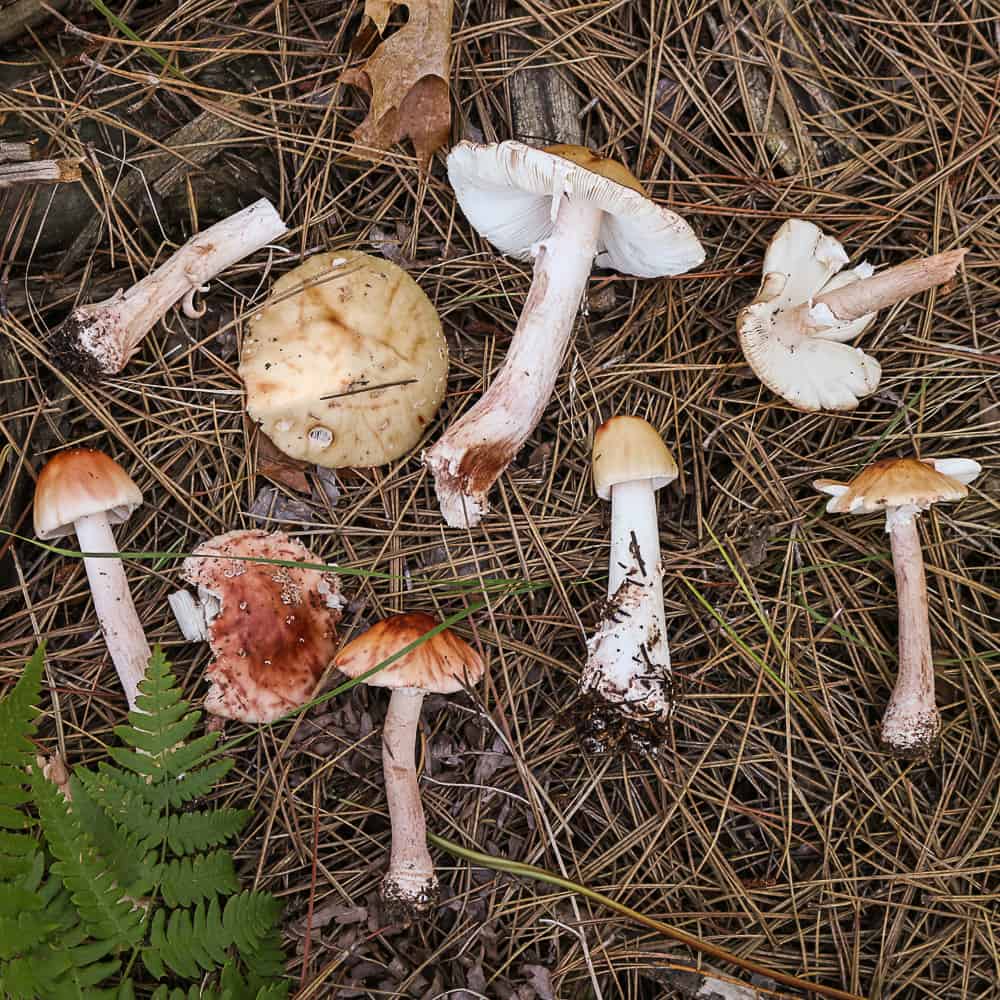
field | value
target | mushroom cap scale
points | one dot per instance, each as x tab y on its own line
443	664
509	192
346	364
275	630
900	482
627	449
78	483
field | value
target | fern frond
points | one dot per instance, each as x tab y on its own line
184	881
249	918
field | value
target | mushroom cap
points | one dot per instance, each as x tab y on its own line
275	628
443	664
506	190
809	366
332	332
900	482
627	449
78	483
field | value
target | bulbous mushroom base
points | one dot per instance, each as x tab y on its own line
604	726
67	344
911	734
408	896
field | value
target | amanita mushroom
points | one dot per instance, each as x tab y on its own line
903	487
346	364
626	686
442	664
272	628
793	332
562	206
99	339
84	492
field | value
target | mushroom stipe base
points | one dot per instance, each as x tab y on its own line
602	727
64	343
400	904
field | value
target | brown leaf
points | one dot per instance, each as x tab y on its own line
406	78
275	465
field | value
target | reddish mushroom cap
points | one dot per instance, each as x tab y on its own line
443	664
275	630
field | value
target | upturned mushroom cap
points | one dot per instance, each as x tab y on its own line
900	482
443	664
510	193
627	449
811	368
272	629
78	483
346	364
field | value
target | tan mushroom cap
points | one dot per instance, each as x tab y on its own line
603	165
275	630
78	483
443	664
346	364
627	449
900	482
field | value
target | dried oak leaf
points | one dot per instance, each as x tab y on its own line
274	464
406	78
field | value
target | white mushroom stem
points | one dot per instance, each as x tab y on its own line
475	451
106	334
410	882
629	658
113	603
868	295
912	723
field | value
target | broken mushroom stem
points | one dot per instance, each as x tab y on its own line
860	298
473	452
100	338
410	877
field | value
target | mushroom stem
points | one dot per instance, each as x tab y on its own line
912	723
629	660
868	295
113	603
410	883
475	451
100	338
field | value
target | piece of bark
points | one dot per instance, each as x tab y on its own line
191	146
39	172
15	152
20	15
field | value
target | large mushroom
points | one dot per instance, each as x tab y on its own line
903	487
272	628
416	663
84	492
346	364
563	207
793	333
99	339
626	689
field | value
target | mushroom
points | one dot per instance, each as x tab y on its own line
626	687
442	663
793	332
99	339
903	487
84	492
272	628
561	206
346	364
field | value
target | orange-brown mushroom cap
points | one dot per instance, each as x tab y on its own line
443	664
275	631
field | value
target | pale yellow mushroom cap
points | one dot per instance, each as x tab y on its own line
346	364
628	449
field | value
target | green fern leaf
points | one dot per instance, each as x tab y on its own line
249	918
184	881
195	831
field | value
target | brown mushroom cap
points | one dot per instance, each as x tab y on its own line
894	482
78	483
627	449
275	630
443	664
347	363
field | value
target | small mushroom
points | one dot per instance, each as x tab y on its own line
346	364
793	332
441	664
272	628
626	686
903	487
84	492
99	339
562	207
